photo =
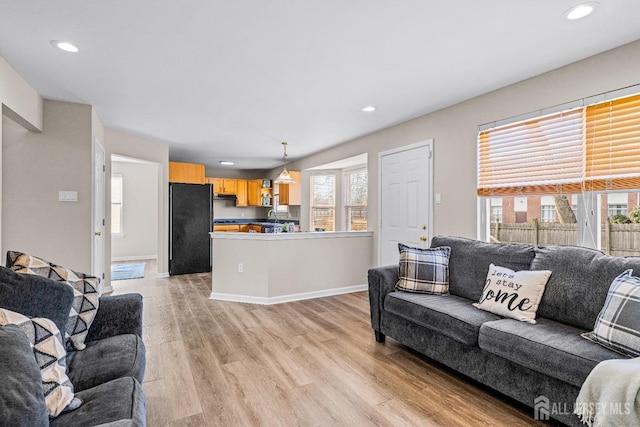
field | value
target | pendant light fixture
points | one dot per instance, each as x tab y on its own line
285	176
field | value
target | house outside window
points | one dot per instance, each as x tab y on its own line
116	205
355	205
618	210
547	209
496	213
496	209
323	202
548	213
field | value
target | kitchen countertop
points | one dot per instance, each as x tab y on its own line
261	221
291	236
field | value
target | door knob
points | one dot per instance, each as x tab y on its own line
423	238
98	233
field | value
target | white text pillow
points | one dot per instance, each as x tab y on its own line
514	294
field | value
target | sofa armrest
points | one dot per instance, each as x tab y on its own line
117	315
382	281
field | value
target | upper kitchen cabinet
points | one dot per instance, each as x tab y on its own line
291	194
223	185
241	193
259	192
186	173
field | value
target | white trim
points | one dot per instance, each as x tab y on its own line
133	258
286	298
162	275
107	289
426	143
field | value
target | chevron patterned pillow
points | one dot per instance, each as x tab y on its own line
50	355
85	289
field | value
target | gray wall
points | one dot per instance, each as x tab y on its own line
140	211
36	166
454	130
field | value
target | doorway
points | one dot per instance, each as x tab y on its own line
405	199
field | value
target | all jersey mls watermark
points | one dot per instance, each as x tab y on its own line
543	408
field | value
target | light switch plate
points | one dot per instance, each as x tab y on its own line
68	196
438	199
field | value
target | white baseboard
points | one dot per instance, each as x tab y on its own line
107	289
286	298
162	275
133	258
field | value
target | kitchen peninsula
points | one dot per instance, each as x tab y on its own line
272	268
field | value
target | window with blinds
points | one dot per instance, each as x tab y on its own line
613	145
323	202
116	204
355	199
593	148
536	156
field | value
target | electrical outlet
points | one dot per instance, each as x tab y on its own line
240	267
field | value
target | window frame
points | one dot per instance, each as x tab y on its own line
346	174
118	177
312	206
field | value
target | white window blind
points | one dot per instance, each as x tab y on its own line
613	145
591	148
542	155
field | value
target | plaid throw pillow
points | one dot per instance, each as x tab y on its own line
618	324
423	270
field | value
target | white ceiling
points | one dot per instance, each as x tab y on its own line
228	80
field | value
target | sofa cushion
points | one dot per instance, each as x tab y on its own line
119	401
85	292
449	315
35	296
549	347
514	294
618	324
469	262
21	394
578	287
423	270
107	359
50	356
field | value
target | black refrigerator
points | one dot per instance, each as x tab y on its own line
190	222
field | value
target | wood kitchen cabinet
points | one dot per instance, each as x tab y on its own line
291	194
227	227
224	185
257	195
186	173
241	193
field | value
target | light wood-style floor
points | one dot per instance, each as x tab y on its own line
306	363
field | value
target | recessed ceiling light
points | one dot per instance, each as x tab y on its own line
226	163
368	109
62	45
581	10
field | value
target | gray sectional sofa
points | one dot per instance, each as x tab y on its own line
536	364
106	375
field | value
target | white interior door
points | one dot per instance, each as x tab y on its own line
99	214
405	199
